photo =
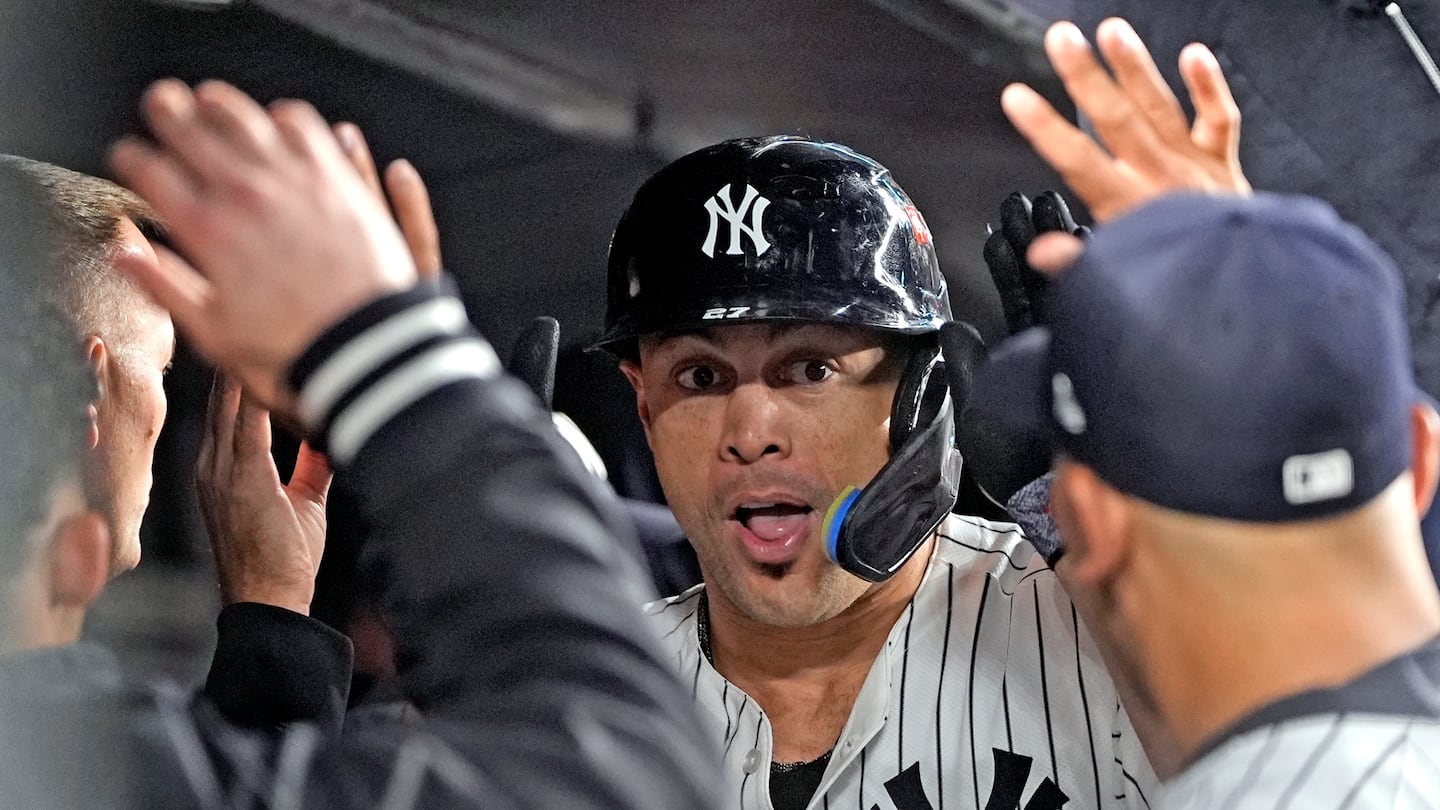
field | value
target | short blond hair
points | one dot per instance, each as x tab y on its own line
84	228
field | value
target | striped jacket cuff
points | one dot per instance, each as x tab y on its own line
380	360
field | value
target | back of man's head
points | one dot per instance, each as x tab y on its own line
1239	359
92	225
84	216
44	383
1244	452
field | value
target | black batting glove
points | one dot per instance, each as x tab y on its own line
1022	287
1001	462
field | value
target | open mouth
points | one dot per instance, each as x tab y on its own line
773	522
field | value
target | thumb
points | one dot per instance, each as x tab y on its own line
312	476
1052	253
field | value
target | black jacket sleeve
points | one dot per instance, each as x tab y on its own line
499	567
273	667
498	563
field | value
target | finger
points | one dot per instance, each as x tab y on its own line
173	284
1138	76
173	116
157	176
1085	167
302	128
1124	130
1054	252
204	459
411	201
221	420
964	350
235	119
252	434
175	193
1015	223
1047	213
168	108
357	151
1051	213
1217	117
1006	272
312	476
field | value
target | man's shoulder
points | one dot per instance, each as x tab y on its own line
678	605
61	673
1318	761
674	620
997	565
965	543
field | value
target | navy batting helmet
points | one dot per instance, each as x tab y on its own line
766	228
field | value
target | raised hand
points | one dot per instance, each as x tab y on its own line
1149	149
267	537
999	461
408	198
284	236
1022	287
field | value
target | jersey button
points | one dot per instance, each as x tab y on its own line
752	761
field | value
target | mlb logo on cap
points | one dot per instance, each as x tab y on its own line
1318	476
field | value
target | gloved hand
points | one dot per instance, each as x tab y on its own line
998	462
1001	462
1021	287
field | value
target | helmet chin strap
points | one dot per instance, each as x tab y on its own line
872	532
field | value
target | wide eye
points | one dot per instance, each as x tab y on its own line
697	378
808	372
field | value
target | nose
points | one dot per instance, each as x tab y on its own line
754	426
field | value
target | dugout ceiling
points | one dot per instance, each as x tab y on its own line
533	121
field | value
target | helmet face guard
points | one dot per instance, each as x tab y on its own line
871	532
787	228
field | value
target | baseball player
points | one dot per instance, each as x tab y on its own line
1246	459
777	305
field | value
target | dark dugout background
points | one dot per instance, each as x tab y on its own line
532	122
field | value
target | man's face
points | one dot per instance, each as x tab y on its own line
130	415
756	430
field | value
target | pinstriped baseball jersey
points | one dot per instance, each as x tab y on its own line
1371	743
1322	761
987	694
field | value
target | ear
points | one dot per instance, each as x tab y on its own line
1095	521
97	355
80	560
1425	454
637	381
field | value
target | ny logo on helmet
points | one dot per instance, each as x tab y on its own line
720	205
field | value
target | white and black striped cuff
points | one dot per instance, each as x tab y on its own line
380	360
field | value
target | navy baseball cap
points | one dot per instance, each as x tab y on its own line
1239	358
